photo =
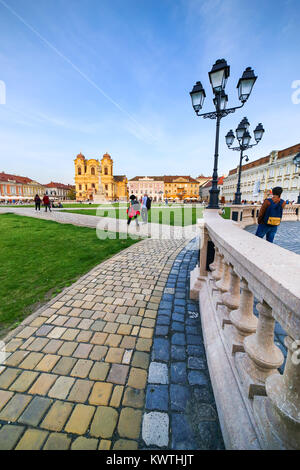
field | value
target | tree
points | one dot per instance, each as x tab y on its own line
71	194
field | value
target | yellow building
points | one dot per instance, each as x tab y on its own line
89	174
181	187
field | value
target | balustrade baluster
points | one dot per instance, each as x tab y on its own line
279	413
243	319
232	298
214	264
217	273
224	282
263	357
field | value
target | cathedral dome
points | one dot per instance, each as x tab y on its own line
80	156
106	155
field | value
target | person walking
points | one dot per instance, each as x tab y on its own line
270	215
46	202
37	201
145	208
148	205
133	210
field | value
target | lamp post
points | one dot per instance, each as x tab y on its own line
296	161
218	77
244	138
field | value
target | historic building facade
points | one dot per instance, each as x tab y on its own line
14	187
161	187
151	185
58	190
90	173
204	190
181	187
260	176
202	180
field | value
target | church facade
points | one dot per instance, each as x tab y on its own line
90	174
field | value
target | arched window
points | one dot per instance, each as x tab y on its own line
79	170
105	170
80	187
92	171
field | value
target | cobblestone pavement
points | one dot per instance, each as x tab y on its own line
288	237
153	230
79	371
180	410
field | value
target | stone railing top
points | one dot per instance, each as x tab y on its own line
272	272
258	206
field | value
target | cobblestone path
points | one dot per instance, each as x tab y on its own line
79	372
287	236
180	410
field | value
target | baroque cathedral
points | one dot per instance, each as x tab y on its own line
94	179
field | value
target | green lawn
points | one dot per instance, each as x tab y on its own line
178	216
77	205
39	258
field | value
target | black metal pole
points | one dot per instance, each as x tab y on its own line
237	196
214	191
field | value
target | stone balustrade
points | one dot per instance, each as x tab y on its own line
258	407
247	214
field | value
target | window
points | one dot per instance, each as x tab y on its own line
92	171
105	171
93	185
80	187
106	186
79	170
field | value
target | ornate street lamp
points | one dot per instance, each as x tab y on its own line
296	161
244	138
218	78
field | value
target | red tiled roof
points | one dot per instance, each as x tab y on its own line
209	183
58	185
119	177
289	151
19	179
171	179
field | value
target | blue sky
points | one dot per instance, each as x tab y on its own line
114	76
